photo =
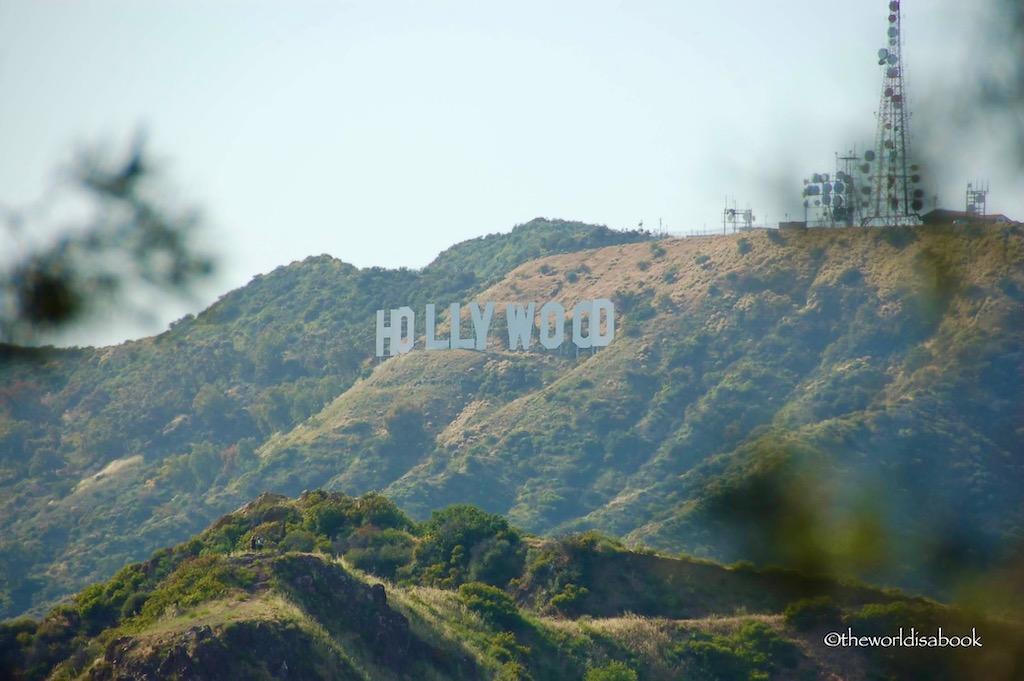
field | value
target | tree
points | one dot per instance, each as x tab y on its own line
129	240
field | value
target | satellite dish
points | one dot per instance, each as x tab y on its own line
914	167
915	178
869	156
892	18
865	168
825	177
918	204
892	72
827	188
827	200
866	191
883	53
839	187
816	177
894	6
837	201
817	202
892	59
918	193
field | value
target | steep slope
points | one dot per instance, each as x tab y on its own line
219	606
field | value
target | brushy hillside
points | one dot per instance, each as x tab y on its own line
834	401
329	586
105	453
843	401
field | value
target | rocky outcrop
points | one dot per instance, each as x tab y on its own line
344	604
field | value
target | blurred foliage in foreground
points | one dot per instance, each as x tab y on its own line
123	237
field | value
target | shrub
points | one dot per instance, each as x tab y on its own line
850	276
491	603
808	613
568	599
613	671
753	652
299	540
462	539
133	604
743	246
196	580
381	552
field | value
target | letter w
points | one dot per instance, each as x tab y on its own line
520	324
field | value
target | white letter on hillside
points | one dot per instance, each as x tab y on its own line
578	338
481	323
432	342
597	338
397	342
549	338
520	324
457	342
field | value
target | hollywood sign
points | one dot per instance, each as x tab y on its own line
593	326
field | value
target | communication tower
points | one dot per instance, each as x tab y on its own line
741	220
837	200
894	197
977	194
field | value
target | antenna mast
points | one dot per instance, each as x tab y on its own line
894	197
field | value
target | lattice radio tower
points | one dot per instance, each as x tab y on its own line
895	197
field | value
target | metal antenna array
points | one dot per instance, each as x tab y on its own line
977	193
741	220
895	197
840	199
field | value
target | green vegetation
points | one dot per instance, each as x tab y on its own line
197	402
846	402
216	603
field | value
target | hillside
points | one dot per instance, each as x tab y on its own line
846	401
351	588
105	453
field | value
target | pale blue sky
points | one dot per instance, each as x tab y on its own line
383	132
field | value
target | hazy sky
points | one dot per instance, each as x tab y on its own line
383	132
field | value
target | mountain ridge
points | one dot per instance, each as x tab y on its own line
764	365
329	586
